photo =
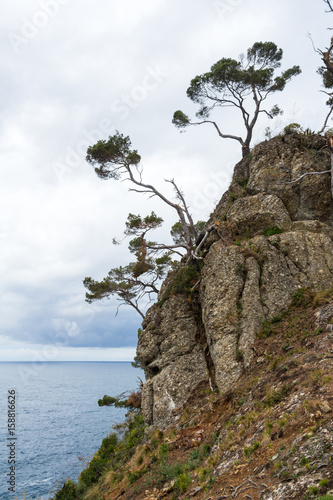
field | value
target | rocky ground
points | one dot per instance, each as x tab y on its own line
269	438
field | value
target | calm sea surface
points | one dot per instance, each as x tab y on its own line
57	420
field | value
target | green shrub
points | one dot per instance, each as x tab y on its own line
302	298
69	491
304	461
273	230
194	454
274	397
313	490
112	454
163	451
97	465
136	431
109	400
251	449
292	127
266	330
204	450
133	476
182	482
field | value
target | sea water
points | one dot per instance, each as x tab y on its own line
58	425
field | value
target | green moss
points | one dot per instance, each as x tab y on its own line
273	230
303	297
233	196
266	330
239	356
183	282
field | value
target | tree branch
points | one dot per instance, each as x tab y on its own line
182	199
328	3
308	173
224	136
168	247
326	120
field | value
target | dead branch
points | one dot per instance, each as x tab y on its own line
328	3
308	173
326	120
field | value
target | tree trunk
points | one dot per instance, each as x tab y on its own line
330	145
245	150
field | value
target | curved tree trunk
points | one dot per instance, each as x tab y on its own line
330	145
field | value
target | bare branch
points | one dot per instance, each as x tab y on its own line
308	173
224	136
202	241
313	45
133	305
328	3
182	199
326	120
167	247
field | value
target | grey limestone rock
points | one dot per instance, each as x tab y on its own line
171	352
254	214
239	291
242	284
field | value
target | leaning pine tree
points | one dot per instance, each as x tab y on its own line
115	159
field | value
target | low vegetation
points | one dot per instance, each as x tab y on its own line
274	428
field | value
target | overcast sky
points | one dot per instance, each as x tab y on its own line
74	71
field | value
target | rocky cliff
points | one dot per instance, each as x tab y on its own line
274	237
238	350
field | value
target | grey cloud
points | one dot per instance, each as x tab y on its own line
82	73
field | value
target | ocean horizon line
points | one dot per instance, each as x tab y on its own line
68	361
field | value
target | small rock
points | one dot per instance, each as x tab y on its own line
195	491
324	406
